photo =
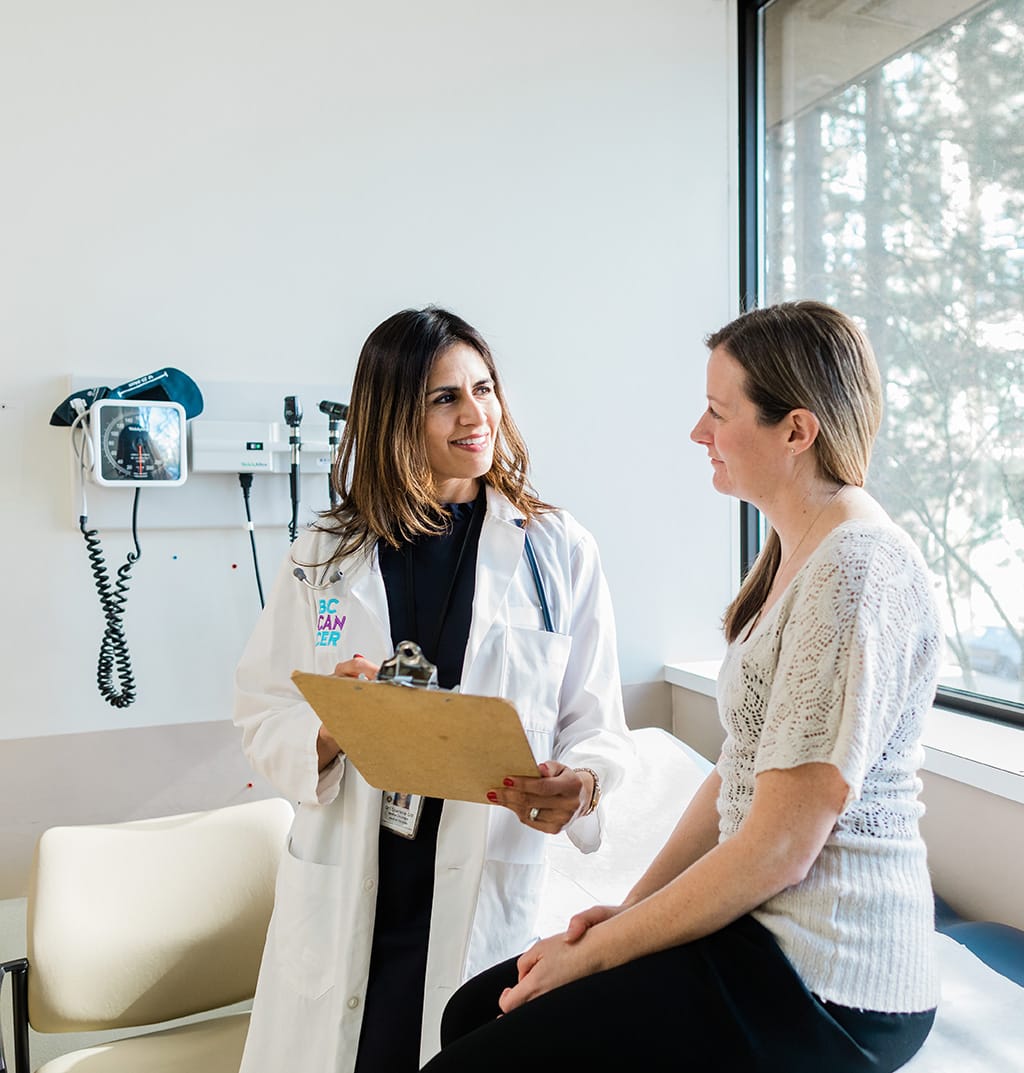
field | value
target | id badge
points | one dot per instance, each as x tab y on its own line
400	813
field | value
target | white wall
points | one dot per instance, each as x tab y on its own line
244	189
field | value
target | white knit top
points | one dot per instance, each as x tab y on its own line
841	670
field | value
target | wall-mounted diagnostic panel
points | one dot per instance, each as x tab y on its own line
130	436
135	441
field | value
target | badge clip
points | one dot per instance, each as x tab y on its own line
408	667
400	812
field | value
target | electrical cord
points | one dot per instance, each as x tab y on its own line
113	597
293	418
245	480
332	443
293	525
114	654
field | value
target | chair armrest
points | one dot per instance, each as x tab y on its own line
18	972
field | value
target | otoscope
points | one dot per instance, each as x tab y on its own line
336	413
293	418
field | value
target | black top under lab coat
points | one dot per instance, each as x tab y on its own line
432	605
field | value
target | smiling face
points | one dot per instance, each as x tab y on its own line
461	422
747	456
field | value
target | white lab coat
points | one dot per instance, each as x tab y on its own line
489	867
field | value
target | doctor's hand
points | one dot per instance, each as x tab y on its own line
356	667
326	747
548	803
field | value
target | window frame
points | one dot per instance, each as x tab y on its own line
751	290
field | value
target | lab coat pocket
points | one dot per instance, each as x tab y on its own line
303	939
535	663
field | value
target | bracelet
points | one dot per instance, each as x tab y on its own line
595	794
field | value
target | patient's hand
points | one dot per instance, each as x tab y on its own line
546	965
582	922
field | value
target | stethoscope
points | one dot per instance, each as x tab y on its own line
327	581
538	581
323	583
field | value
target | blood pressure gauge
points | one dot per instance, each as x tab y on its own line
138	443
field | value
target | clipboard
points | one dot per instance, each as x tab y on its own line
423	741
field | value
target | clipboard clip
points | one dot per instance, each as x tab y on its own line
408	667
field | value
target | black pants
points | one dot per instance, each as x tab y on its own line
728	1003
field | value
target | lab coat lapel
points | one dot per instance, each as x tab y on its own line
498	557
366	587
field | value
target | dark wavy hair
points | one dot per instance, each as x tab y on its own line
385	488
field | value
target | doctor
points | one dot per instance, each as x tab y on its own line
384	906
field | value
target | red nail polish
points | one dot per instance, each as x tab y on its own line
508	782
491	795
357	655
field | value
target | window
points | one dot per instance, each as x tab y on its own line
883	165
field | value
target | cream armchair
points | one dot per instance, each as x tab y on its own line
134	924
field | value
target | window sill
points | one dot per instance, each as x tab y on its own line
968	748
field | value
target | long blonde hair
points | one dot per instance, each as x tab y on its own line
804	355
383	480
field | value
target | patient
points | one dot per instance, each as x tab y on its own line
786	925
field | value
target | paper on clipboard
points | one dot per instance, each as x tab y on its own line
421	741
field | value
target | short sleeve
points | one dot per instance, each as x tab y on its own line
849	651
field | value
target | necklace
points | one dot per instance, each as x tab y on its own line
807	531
789	559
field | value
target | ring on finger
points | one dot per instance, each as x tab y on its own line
534	813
